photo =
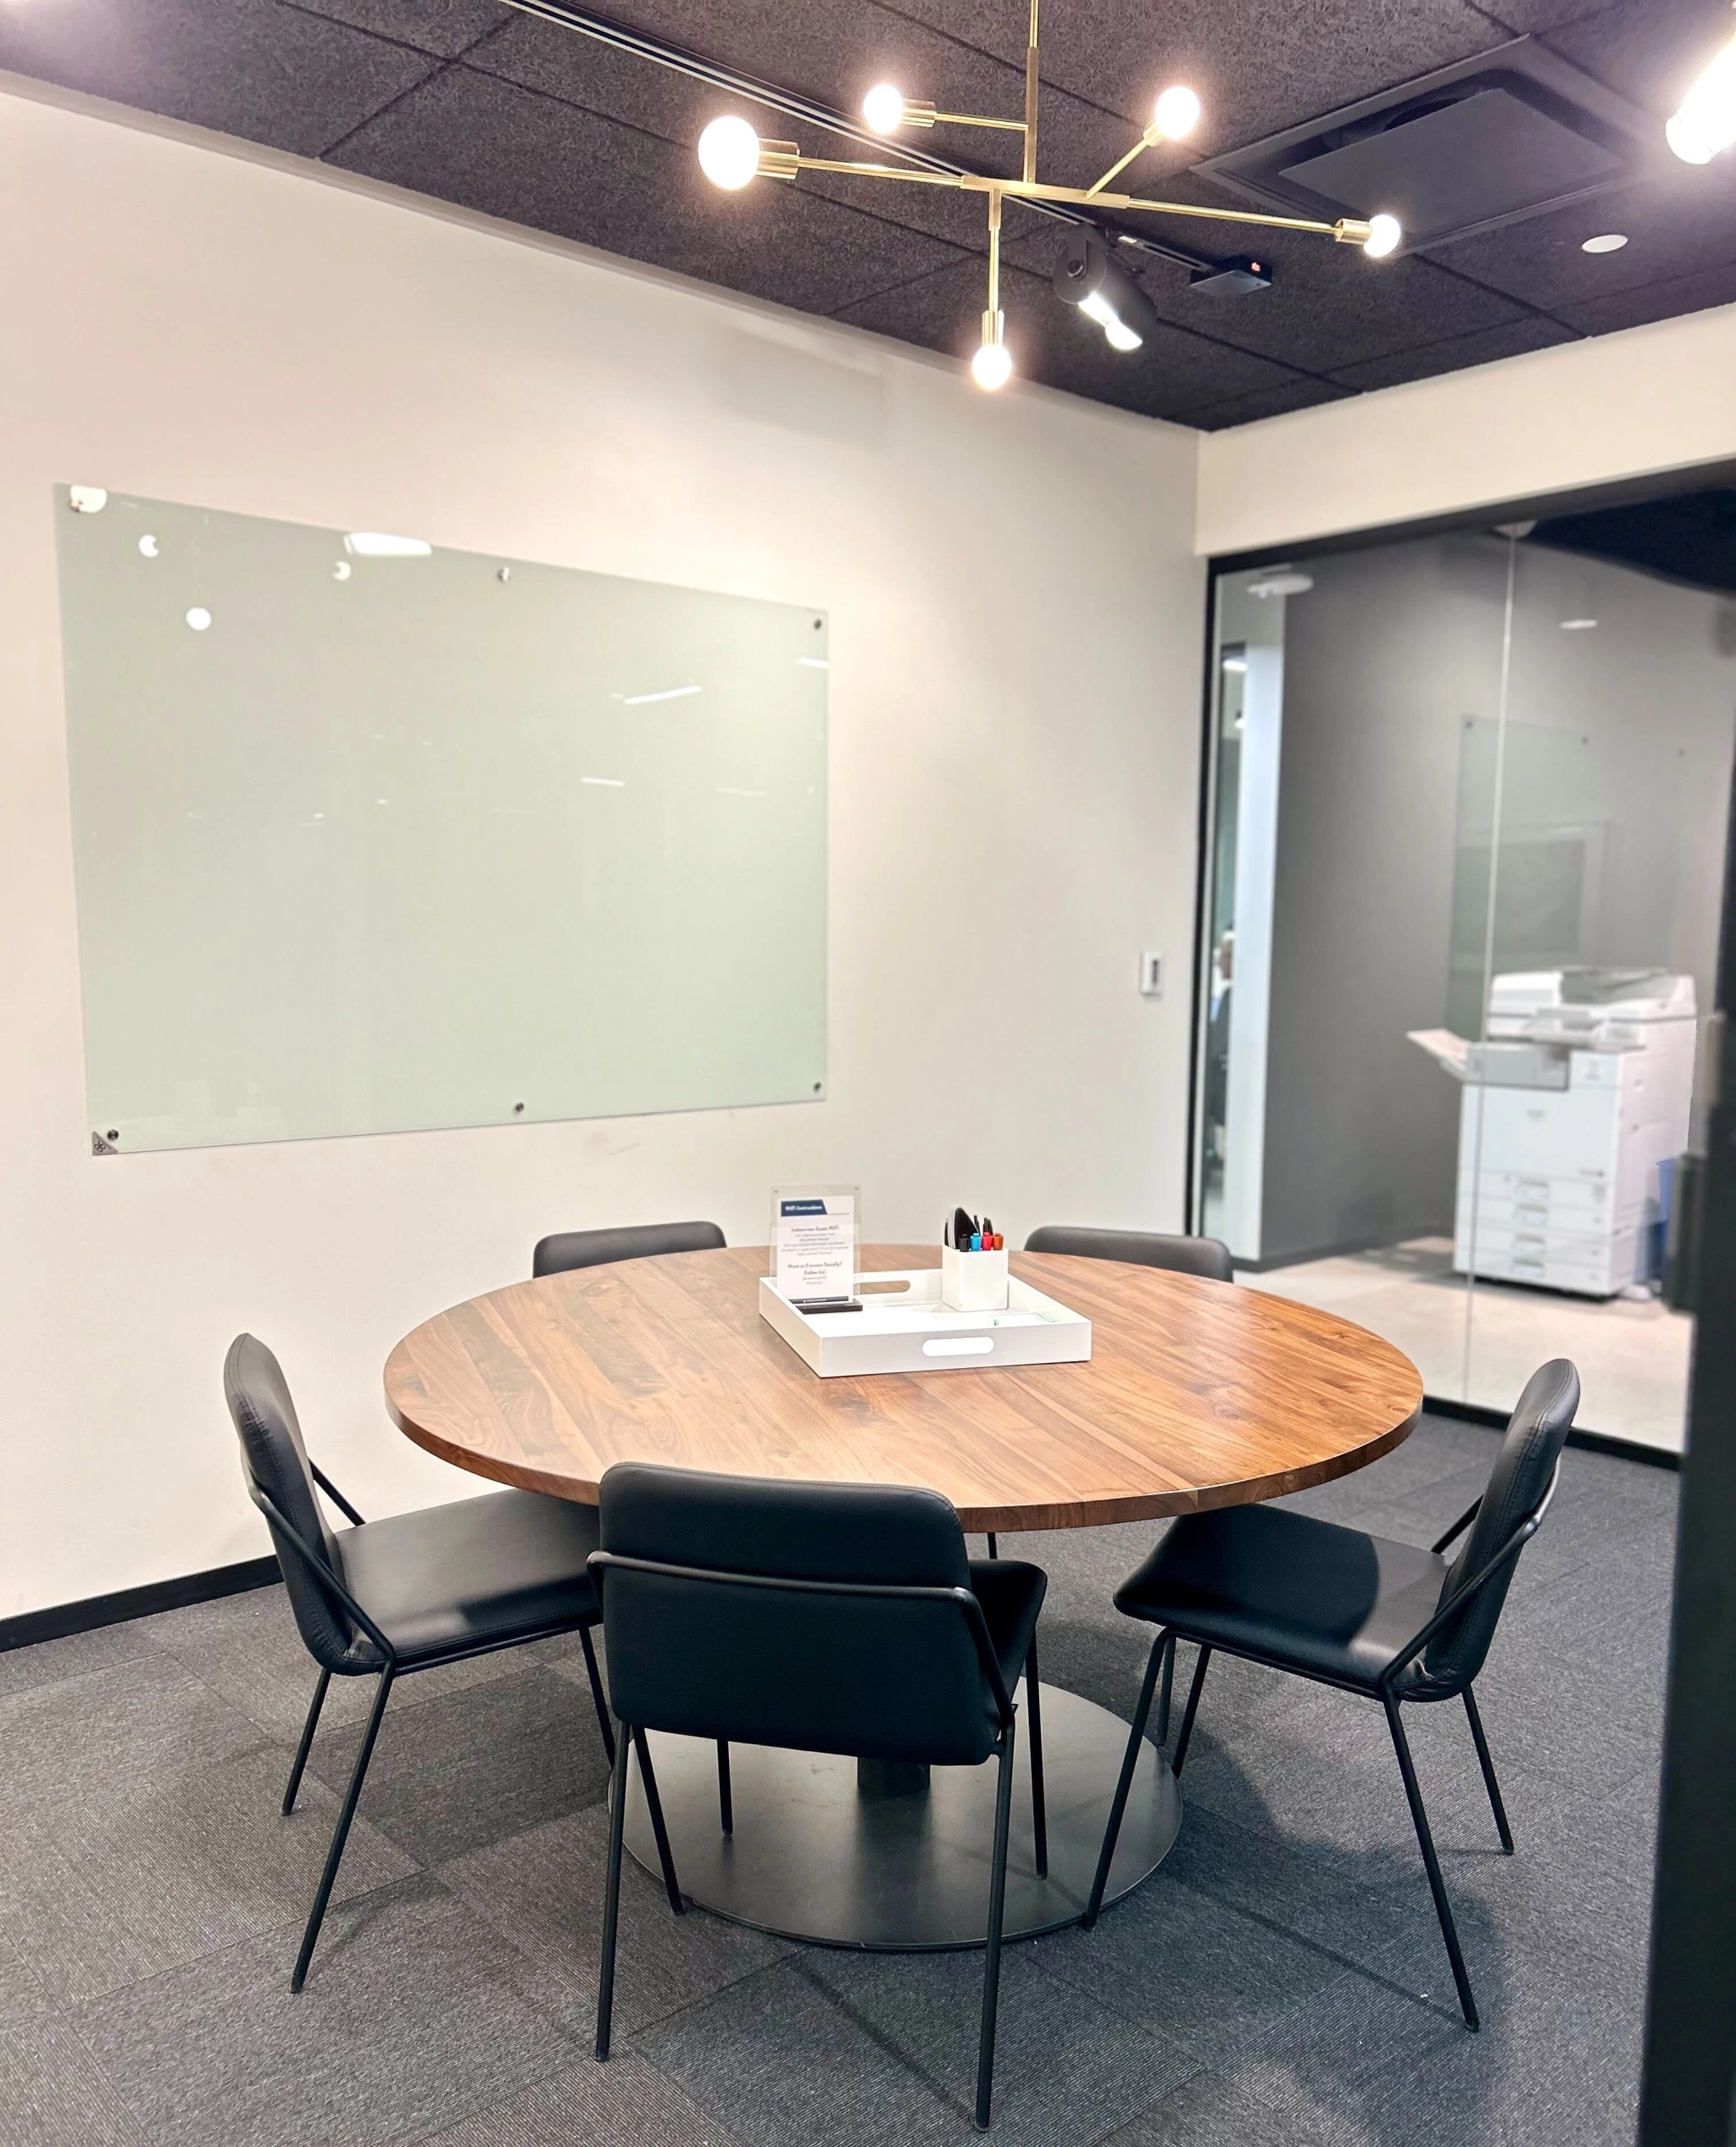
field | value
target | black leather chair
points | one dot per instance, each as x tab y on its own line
816	1617
572	1248
1369	1615
1206	1256
384	1598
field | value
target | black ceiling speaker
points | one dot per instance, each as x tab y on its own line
1104	292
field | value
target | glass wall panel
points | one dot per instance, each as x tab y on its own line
1464	885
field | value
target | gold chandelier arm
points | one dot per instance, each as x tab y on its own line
1144	143
994	250
970	119
1029	174
885	171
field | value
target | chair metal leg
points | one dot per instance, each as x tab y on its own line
340	1832
993	1548
596	1699
307	1744
997	1906
611	1892
1188	1712
1487	1765
654	1805
1160	1652
1425	1842
725	1802
1167	1689
1039	1808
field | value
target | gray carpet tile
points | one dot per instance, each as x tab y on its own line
1235	2109
475	1766
1065	2065
247	1647
1184	1964
51	1662
54	2093
778	2060
542	1891
1281	1978
626	2103
97	1892
91	1733
415	2016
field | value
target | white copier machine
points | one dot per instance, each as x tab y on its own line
1584	1088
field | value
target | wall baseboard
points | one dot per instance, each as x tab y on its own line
1626	1450
63	1619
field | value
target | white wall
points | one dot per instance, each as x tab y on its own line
1650	399
1015	630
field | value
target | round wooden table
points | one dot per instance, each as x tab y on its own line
1196	1394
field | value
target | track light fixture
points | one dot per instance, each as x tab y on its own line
1704	124
731	155
1087	277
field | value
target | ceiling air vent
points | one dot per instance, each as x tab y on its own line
1486	142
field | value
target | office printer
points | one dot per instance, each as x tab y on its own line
1582	1090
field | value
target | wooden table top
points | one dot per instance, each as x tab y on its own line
1198	1394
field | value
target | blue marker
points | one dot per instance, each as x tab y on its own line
975	1241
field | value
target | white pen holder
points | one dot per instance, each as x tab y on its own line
973	1282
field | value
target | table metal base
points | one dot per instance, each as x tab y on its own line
821	1853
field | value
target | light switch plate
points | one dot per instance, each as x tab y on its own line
1151	975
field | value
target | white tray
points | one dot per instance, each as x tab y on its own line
912	1330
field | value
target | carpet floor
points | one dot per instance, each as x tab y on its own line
1279	1982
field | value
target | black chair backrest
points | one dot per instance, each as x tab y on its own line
700	1645
274	1461
1519	1483
1206	1256
573	1248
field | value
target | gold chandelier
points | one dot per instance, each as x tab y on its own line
731	154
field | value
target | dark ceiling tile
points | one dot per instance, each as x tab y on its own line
1257	67
1647	50
510	152
1684	221
250	68
442	27
1269	402
830	58
1052	342
1482	348
596	78
1713	286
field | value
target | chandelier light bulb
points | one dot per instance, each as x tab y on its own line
1384	233
1704	123
992	366
883	108
1177	113
729	153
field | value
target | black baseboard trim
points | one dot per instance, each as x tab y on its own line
63	1619
1626	1450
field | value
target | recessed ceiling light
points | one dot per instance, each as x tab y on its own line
1604	243
1577	626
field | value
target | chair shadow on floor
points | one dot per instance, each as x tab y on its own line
1290	1937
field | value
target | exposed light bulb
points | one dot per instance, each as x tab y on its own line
883	108
729	153
1095	306
1177	112
992	366
1384	233
1705	122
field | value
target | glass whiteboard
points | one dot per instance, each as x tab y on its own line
371	836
